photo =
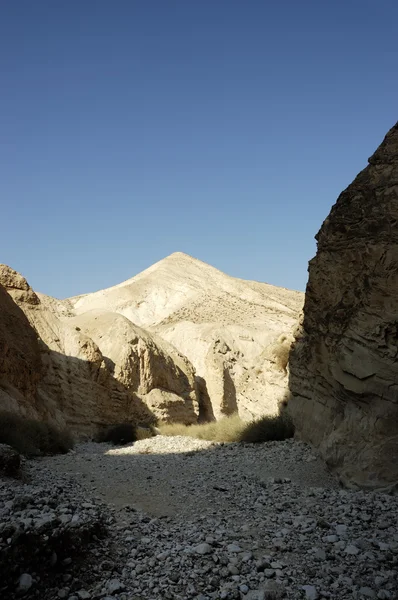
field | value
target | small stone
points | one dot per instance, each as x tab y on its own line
383	546
310	592
63	592
203	548
244	588
341	529
113	586
233	570
351	549
234	548
384	595
25	583
330	539
367	592
83	595
319	554
269	573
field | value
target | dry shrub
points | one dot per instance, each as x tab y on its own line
143	433
280	351
122	433
233	429
226	430
31	437
267	429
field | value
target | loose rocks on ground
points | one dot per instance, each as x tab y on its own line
268	536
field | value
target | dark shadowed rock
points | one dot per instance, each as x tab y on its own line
344	366
10	461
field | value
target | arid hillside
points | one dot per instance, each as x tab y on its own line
181	341
228	328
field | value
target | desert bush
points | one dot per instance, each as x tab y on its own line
280	351
226	430
122	433
143	433
31	437
233	429
267	429
220	431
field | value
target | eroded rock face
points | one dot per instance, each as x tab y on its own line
20	364
84	371
344	366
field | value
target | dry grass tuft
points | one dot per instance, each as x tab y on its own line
233	429
226	430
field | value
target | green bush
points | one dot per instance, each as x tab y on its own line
31	437
123	433
268	429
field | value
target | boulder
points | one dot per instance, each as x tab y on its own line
344	364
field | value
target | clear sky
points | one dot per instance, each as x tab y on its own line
226	129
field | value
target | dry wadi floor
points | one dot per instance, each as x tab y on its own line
190	519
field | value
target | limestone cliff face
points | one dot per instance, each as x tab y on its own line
344	366
86	371
20	363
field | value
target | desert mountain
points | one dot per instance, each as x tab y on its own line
180	341
344	367
226	327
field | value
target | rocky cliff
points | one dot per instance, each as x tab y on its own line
344	366
86	371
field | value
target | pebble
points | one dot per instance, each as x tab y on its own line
367	592
204	548
310	592
25	582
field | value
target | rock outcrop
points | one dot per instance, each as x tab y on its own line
20	362
84	371
344	366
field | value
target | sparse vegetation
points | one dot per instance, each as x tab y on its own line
225	430
268	429
144	433
234	429
122	433
31	437
281	351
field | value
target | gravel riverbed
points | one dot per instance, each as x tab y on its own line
179	518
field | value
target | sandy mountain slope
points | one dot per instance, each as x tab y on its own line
223	325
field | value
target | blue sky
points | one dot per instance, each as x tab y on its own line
221	128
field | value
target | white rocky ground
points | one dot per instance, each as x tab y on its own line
195	520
